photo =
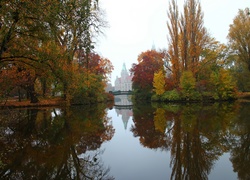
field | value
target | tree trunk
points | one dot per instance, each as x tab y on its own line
32	94
19	94
44	87
65	89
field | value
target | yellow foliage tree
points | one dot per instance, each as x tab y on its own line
159	82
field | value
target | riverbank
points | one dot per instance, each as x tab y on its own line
244	95
13	102
26	103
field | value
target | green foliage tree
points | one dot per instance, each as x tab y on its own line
224	85
239	37
90	89
241	74
213	57
187	81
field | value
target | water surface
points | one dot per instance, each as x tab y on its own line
158	141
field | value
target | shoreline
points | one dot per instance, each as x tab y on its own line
14	103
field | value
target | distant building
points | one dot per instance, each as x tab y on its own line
124	83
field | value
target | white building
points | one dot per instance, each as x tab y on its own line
124	83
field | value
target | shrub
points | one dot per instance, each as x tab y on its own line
191	95
171	96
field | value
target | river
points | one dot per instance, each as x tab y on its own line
149	142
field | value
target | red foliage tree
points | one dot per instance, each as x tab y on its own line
149	62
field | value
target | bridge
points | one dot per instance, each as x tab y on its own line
129	107
122	99
116	93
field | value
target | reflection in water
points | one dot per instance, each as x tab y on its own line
240	153
191	157
52	144
123	100
144	128
123	107
67	143
125	115
197	135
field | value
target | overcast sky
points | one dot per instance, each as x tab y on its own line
136	25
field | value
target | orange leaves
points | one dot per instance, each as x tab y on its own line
97	65
188	37
16	76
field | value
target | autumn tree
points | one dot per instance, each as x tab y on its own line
96	64
239	37
149	62
159	82
224	86
91	79
213	57
173	49
20	77
188	37
78	22
7	76
46	35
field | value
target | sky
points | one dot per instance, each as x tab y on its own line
135	26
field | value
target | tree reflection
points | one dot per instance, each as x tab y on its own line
144	128
51	144
240	154
196	134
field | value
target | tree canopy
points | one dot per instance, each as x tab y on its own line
239	36
193	57
149	62
48	37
